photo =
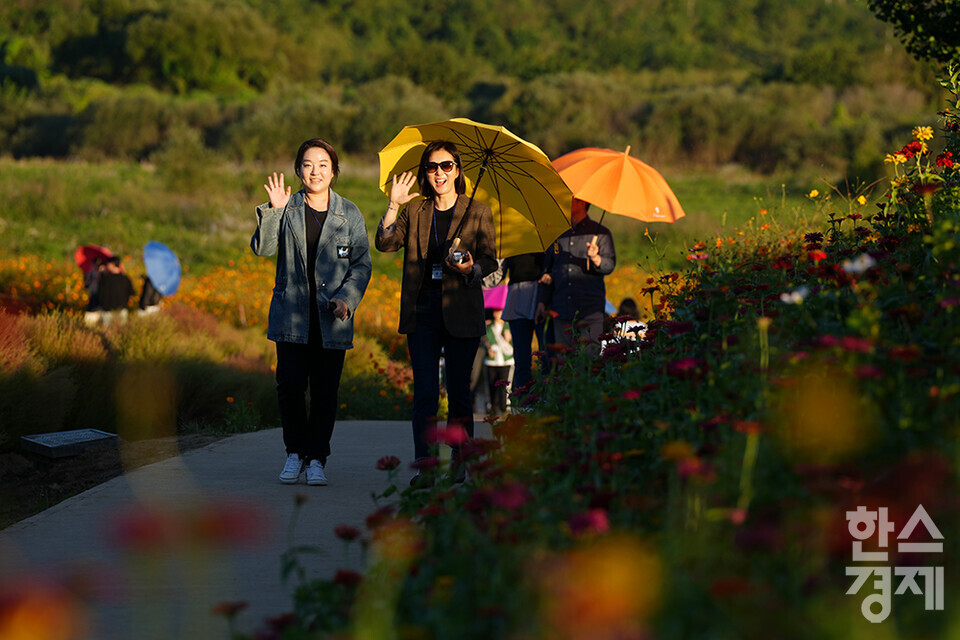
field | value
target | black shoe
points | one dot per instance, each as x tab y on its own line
422	480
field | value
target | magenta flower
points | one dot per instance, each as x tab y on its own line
589	522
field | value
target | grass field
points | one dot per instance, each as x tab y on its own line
206	213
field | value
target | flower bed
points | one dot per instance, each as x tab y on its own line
700	483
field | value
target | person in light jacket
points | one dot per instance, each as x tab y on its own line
323	267
449	246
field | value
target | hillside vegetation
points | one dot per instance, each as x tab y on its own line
787	86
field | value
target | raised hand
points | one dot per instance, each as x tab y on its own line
400	191
279	195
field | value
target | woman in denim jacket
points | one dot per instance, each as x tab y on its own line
323	267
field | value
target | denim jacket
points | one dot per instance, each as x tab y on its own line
342	268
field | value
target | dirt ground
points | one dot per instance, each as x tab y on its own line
30	483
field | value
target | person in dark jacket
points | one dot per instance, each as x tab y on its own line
574	268
323	268
449	246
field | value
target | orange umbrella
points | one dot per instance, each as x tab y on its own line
619	183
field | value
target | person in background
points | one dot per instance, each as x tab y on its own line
627	321
520	311
574	269
323	268
449	247
115	291
498	362
150	297
91	281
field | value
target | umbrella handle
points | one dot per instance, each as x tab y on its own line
595	238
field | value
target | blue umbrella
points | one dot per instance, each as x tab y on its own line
163	267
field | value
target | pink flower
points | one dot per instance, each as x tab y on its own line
588	522
869	372
632	394
509	496
452	435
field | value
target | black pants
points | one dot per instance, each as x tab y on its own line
425	346
523	331
498	392
300	365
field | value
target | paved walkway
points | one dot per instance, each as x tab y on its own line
168	591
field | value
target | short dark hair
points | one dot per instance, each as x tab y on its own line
323	144
459	185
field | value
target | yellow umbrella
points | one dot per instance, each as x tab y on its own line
529	200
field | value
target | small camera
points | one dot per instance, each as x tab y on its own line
458	257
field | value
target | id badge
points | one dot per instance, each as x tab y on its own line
436	271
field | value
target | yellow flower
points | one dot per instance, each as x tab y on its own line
813	193
923	133
861	201
895	158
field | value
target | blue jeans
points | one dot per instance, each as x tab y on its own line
523	331
426	345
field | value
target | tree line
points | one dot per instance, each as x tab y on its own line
773	85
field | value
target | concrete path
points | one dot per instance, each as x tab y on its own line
172	508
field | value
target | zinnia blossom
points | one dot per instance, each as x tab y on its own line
923	133
388	463
589	522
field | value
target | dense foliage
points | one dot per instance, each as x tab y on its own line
774	86
929	32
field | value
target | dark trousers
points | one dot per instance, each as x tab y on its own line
498	392
522	331
425	345
300	366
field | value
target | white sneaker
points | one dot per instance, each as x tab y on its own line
315	474
292	469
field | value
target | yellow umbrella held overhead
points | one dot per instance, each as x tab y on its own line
617	182
529	200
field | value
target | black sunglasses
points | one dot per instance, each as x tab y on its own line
446	165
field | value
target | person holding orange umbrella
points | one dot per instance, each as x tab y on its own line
573	272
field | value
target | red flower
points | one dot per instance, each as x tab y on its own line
346	532
945	159
388	463
228	609
632	394
379	517
816	255
747	426
347	578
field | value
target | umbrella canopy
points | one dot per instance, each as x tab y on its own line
163	267
495	297
86	256
529	200
619	183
